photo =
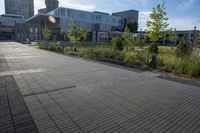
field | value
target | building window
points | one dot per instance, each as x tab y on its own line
70	13
114	20
36	30
93	17
31	30
62	12
81	15
98	18
107	19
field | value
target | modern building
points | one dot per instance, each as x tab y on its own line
190	35
130	19
98	24
24	31
50	5
7	32
7	23
20	7
11	19
42	10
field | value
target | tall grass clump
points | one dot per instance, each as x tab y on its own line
189	65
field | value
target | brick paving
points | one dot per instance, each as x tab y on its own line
73	95
14	114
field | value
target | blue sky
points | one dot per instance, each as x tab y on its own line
182	14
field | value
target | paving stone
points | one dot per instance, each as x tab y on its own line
102	97
13	108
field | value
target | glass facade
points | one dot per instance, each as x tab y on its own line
11	20
88	20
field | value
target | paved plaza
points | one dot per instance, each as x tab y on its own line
46	92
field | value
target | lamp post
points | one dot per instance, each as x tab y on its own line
51	19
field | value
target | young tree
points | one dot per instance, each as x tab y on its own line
184	48
74	31
141	42
173	37
84	34
156	28
46	34
117	43
127	38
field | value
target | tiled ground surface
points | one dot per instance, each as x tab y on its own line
66	94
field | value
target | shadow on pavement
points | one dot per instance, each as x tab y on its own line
186	82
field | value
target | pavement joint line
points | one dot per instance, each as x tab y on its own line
15	105
17	72
69	87
10	110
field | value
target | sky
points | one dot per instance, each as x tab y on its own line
182	14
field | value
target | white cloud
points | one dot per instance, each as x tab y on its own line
1	7
145	14
184	23
187	4
76	4
138	2
38	4
180	23
143	17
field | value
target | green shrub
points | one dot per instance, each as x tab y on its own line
129	58
141	58
58	48
88	53
183	49
67	50
118	43
197	46
109	53
135	58
140	43
51	47
166	63
41	46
